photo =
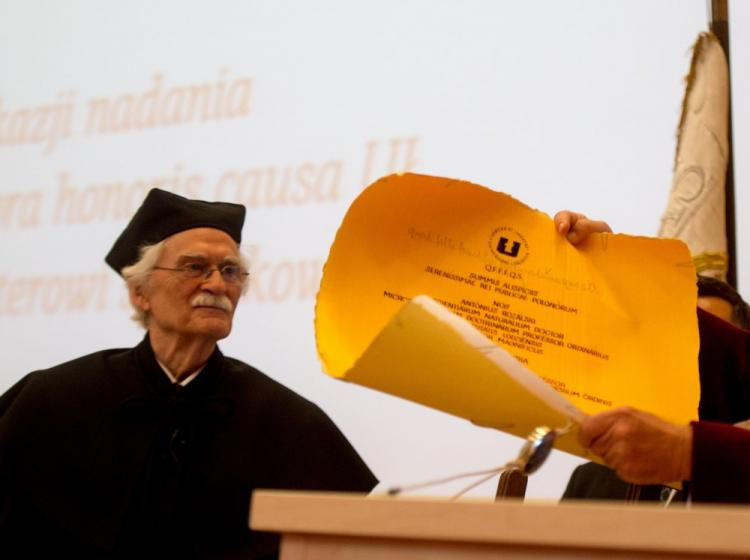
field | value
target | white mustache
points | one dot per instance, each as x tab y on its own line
210	300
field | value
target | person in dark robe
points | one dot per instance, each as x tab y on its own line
711	456
155	450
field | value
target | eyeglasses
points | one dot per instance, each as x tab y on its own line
230	273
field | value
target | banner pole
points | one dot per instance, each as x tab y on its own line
718	14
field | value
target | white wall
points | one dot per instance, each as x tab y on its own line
561	104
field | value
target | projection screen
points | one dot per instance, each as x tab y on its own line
291	108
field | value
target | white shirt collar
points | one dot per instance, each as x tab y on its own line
182	382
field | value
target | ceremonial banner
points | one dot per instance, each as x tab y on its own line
611	322
696	211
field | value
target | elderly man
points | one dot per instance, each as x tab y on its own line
155	449
711	455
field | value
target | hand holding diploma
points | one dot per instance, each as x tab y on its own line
640	447
576	227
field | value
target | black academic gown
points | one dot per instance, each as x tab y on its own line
724	367
103	457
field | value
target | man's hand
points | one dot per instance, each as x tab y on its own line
640	447
577	227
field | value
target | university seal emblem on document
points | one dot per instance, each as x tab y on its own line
509	246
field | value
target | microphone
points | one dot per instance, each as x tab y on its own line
536	448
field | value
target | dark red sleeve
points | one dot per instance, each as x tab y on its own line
721	463
721	452
724	363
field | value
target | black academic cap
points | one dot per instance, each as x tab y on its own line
163	214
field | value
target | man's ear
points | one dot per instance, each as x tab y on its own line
138	297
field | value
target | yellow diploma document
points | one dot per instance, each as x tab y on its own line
464	299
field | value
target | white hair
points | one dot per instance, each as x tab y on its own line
137	275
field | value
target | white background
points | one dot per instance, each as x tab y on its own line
562	104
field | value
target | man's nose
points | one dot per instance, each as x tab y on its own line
214	282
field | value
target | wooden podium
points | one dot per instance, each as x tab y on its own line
317	526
